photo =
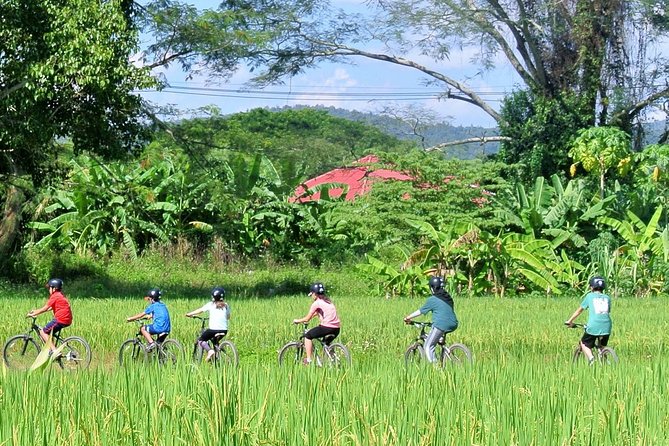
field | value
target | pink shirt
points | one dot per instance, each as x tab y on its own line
327	313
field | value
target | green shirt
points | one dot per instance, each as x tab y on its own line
598	306
443	316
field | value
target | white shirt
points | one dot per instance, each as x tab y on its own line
218	317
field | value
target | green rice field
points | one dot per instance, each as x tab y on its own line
520	390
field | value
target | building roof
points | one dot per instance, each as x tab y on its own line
356	179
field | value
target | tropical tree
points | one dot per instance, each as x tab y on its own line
65	72
598	149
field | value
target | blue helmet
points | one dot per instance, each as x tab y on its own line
55	283
218	293
597	283
436	283
317	288
154	293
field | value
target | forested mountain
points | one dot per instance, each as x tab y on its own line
427	135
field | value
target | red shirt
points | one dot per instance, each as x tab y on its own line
60	307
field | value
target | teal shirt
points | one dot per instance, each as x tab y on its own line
443	316
599	308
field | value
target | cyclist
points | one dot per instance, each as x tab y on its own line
599	322
62	312
327	313
219	314
157	311
440	303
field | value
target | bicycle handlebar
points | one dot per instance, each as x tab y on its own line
574	325
419	324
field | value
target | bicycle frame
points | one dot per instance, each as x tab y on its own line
34	327
602	354
455	353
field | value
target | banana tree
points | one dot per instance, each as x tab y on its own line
643	243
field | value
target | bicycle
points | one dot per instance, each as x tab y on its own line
135	350
602	354
20	351
455	353
334	354
225	351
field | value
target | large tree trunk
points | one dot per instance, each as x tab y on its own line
11	217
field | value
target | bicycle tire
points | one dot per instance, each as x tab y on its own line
415	354
458	354
337	355
608	356
75	354
578	355
292	353
131	352
227	354
198	353
20	352
170	352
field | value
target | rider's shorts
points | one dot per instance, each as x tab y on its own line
54	327
589	340
320	331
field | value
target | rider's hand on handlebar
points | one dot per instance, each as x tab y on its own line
407	320
569	324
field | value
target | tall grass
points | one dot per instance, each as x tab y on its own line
521	389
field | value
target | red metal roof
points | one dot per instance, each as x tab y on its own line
358	177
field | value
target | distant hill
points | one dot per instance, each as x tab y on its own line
444	132
433	134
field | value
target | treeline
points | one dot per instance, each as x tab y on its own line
217	190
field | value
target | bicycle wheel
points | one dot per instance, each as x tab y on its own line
20	352
75	354
291	353
227	354
458	354
131	352
198	353
608	356
170	352
578	356
415	354
337	355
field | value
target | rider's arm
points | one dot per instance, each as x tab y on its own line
44	309
412	315
306	318
578	311
137	316
194	313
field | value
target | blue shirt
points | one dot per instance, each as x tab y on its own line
598	306
443	316
160	316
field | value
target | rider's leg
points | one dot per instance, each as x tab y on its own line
587	344
430	343
47	339
146	334
308	348
49	331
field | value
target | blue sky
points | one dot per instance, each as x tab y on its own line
366	86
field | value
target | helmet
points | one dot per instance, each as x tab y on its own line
317	288
55	283
154	293
597	283
218	293
436	283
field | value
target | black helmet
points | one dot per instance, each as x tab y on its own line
317	288
218	293
597	283
154	293
55	283
436	283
